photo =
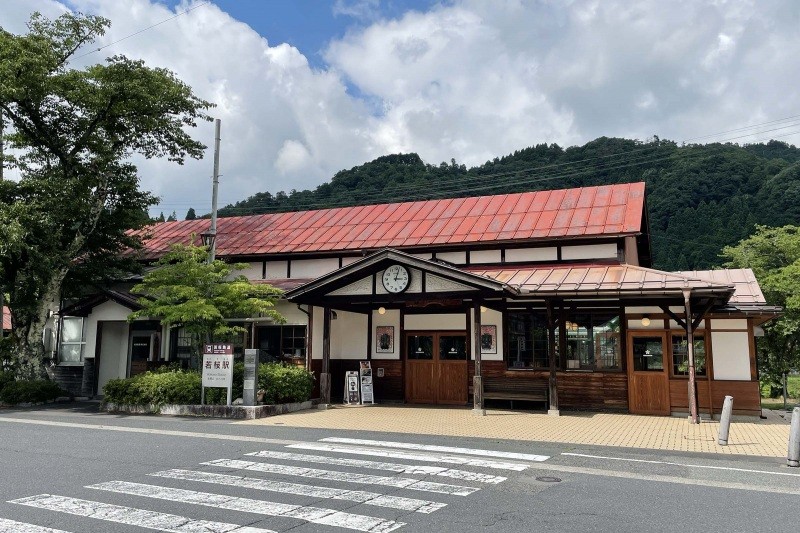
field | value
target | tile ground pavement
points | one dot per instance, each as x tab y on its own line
752	437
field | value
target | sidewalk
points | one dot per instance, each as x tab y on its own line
759	437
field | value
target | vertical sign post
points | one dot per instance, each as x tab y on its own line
365	371
351	395
250	376
217	369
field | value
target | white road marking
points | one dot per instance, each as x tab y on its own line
316	515
410	456
359	496
146	431
444	449
10	526
133	517
683	464
346	477
380	465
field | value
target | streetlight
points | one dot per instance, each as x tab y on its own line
209	237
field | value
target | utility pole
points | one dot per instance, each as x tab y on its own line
213	248
2	287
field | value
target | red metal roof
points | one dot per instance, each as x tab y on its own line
583	212
748	292
6	318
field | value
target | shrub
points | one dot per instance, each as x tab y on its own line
5	378
30	392
156	388
285	383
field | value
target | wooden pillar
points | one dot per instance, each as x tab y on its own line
369	335
551	350
693	415
325	376
310	338
477	380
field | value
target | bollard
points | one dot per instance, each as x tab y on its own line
725	421
793	458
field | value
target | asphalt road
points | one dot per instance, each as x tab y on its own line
73	469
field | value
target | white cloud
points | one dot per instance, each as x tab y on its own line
467	79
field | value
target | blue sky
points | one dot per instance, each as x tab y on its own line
306	88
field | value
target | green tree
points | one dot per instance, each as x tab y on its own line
190	214
185	289
72	134
172	217
774	256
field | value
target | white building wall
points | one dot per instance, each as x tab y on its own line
314	268
277	270
349	336
390	318
105	311
291	313
731	353
254	270
113	362
455	322
457	258
316	334
485	256
590	251
527	255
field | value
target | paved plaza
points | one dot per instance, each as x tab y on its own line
767	437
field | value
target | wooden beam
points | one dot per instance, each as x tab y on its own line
325	376
673	316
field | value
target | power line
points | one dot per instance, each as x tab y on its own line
144	29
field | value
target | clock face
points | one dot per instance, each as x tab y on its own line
396	279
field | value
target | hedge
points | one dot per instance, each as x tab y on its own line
15	392
282	383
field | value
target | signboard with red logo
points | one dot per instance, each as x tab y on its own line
218	367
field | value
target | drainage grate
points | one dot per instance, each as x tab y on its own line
548	479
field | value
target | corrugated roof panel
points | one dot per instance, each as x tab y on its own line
543	214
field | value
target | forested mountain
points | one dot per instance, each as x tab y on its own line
700	197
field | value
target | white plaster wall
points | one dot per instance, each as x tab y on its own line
524	255
105	311
113	362
729	323
253	271
316	334
652	310
390	318
436	322
655	323
590	251
291	313
350	260
457	258
731	353
314	268
488	318
276	270
675	325
485	256
349	336
423	256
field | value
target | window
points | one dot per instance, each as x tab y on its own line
593	341
282	343
527	335
648	354
72	341
680	355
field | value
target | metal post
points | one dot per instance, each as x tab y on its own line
793	458
725	421
214	192
477	380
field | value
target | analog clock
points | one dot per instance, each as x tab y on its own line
396	279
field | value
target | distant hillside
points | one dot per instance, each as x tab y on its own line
700	197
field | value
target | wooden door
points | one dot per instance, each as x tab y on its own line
436	368
648	381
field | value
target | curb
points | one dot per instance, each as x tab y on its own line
238	412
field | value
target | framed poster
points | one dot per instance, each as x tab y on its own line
384	339
488	339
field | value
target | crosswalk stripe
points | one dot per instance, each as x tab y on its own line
443	449
410	456
381	465
315	515
359	496
333	475
10	526
133	517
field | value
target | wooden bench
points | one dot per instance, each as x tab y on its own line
529	389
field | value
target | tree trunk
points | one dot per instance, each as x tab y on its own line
27	338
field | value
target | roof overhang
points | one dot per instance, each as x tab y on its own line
85	306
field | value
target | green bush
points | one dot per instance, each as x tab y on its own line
15	392
156	388
5	379
285	383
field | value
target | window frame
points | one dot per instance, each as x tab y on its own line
81	343
569	312
682	333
